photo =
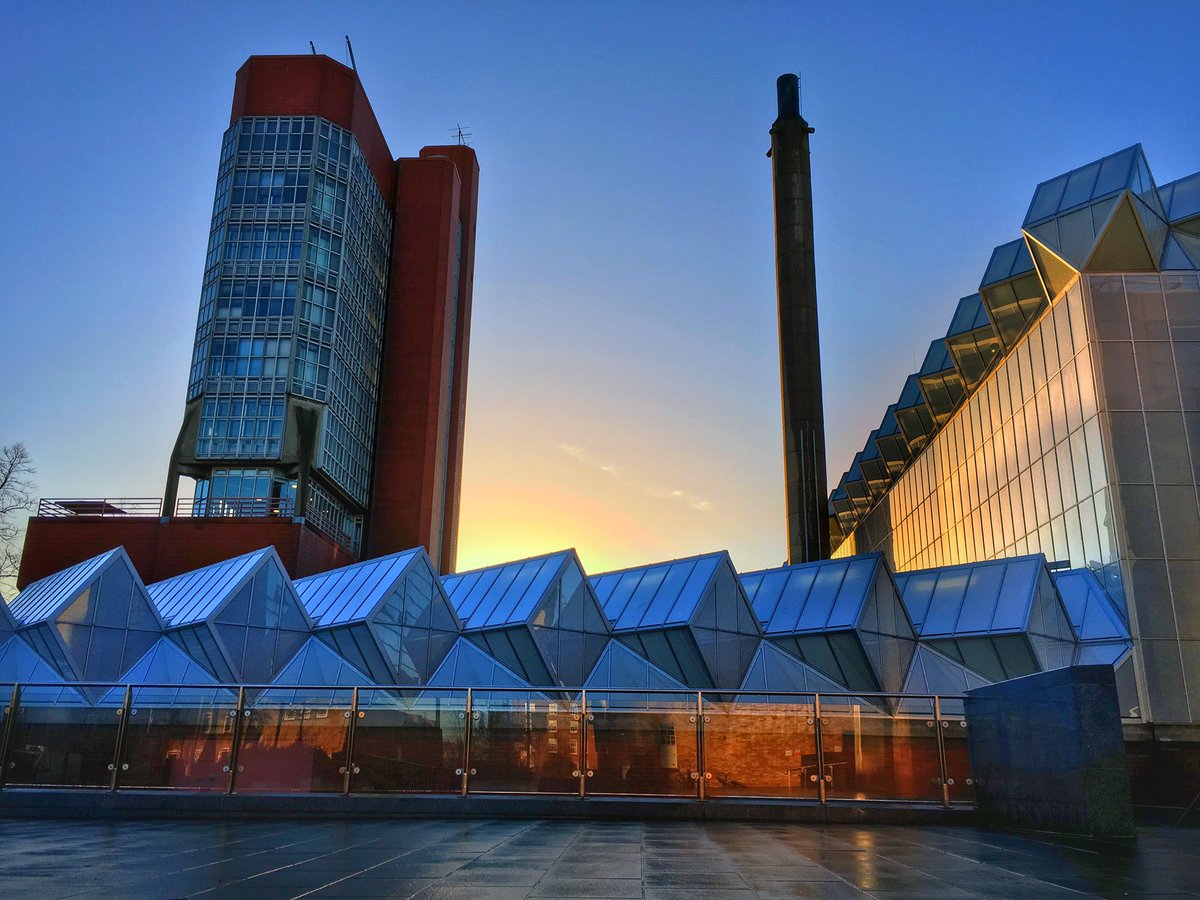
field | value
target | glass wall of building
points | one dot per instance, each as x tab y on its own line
292	306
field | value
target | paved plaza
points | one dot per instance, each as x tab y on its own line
516	859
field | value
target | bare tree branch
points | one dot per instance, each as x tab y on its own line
17	493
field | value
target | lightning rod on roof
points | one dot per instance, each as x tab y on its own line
350	50
312	47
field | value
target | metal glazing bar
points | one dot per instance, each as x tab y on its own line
238	715
820	739
581	759
350	768
468	718
940	727
701	774
10	729
124	714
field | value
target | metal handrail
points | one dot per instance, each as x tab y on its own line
580	708
234	507
106	507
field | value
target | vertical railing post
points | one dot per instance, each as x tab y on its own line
700	760
10	729
582	756
820	739
350	769
114	767
234	749
468	717
941	746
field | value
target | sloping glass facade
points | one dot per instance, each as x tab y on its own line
1077	441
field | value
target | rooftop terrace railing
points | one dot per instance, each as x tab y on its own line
191	507
57	508
698	745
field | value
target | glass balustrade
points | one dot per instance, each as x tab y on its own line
376	740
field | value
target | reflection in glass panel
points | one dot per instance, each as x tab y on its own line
525	743
294	740
61	745
869	754
641	744
759	749
184	743
409	741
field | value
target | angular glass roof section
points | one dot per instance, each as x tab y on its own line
1181	199
974	598
241	619
913	415
388	617
91	621
538	616
1092	613
46	598
466	665
7	623
19	663
1001	618
1082	186
621	668
316	664
774	671
1181	253
932	672
164	664
352	593
194	596
842	616
658	595
689	616
818	596
1008	261
504	595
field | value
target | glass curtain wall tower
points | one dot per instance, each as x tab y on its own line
328	376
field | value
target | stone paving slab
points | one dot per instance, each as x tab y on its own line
481	859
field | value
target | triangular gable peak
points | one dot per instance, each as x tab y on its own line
389	617
312	672
620	668
91	621
166	676
841	616
1002	618
1091	611
21	664
774	675
240	618
538	616
8	624
690	616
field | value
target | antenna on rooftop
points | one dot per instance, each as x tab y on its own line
350	50
312	47
462	135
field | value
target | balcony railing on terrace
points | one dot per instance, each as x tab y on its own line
191	507
816	748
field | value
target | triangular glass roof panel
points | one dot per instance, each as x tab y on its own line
1092	613
1122	247
1175	257
1181	198
672	596
932	672
317	664
43	600
467	665
352	593
504	595
197	595
619	667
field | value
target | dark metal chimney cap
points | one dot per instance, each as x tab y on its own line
787	88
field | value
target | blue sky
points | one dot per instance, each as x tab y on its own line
624	383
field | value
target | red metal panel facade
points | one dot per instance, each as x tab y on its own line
164	548
314	86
